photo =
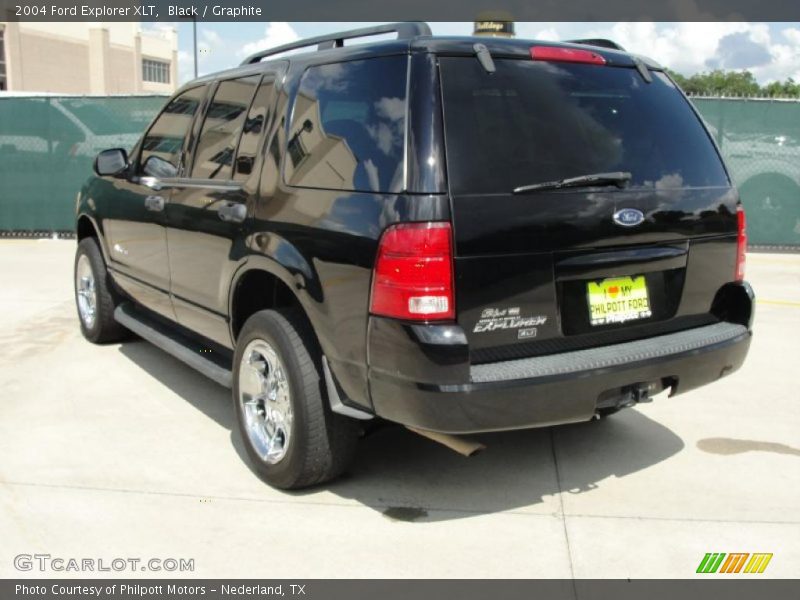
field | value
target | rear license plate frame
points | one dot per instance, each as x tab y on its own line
618	300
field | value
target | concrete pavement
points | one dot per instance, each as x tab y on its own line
122	451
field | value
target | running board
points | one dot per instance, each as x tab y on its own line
201	358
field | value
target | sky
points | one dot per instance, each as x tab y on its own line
771	51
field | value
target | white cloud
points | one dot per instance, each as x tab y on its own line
688	47
383	136
277	33
372	175
393	109
185	66
549	35
211	37
792	34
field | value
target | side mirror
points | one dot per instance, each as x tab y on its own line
111	162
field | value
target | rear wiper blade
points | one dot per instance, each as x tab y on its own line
619	178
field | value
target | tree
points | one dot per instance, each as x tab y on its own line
733	83
786	88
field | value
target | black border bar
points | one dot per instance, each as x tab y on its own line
737	588
400	10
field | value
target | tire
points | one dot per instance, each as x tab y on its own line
99	327
310	444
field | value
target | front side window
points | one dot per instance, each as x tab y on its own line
222	128
348	127
163	142
155	71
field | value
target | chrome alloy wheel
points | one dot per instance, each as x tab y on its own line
86	292
265	400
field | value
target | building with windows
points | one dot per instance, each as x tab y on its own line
87	58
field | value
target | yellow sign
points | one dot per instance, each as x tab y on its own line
618	300
494	28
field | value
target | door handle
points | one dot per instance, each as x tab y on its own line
154	203
232	212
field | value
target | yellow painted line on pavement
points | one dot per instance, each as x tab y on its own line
778	302
777	259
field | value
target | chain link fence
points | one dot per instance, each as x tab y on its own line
48	144
47	148
760	140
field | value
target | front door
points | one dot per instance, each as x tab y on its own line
135	218
210	203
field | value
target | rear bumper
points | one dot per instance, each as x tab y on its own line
424	387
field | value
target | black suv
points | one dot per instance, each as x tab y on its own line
455	234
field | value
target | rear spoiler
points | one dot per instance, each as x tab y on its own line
599	42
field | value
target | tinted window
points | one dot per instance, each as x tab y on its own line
532	122
257	120
222	127
348	126
165	138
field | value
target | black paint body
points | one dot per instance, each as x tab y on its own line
187	263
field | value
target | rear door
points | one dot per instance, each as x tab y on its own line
532	268
209	205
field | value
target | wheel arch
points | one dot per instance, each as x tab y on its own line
86	226
262	284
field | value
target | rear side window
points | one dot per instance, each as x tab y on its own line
164	140
222	128
348	127
532	122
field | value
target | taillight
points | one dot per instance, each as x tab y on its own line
572	55
413	277
741	243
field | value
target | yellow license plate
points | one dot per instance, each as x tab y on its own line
618	300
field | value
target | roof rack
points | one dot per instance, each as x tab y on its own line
405	31
599	42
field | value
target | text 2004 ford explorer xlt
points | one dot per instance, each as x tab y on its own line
454	234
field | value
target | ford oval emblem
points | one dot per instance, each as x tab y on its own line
628	217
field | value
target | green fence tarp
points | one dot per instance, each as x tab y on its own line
48	144
47	148
760	140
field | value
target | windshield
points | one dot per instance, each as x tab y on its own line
533	121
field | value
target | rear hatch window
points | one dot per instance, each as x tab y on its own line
532	122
